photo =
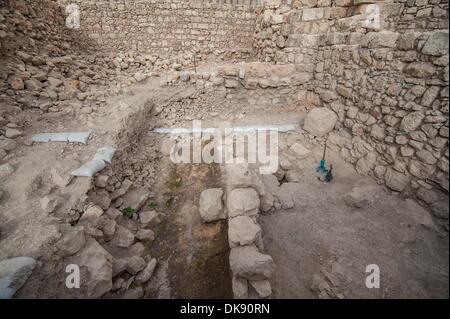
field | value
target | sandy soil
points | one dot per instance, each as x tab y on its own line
322	242
196	253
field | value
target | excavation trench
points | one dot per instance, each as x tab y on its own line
196	253
192	256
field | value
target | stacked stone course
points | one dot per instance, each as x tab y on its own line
161	26
387	82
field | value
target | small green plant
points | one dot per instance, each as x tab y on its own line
178	68
153	205
178	182
169	202
128	212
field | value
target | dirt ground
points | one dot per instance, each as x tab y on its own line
323	245
196	253
24	228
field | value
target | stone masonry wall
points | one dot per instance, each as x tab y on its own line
45	65
169	26
388	83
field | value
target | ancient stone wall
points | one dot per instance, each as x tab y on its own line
47	65
169	26
383	68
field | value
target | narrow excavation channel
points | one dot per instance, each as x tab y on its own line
196	253
193	257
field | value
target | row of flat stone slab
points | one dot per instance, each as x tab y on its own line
251	268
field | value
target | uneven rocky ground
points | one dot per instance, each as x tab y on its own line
320	246
323	245
144	227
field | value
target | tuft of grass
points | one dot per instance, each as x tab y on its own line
134	285
175	180
178	182
153	205
169	202
128	212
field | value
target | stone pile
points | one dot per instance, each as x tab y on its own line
47	66
251	268
108	236
266	85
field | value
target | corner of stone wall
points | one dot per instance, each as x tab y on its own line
382	67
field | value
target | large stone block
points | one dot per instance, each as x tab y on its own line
262	287
276	19
395	180
123	237
99	265
436	44
242	201
299	151
240	288
247	262
14	273
382	39
239	175
229	70
358	197
211	206
411	121
421	170
72	242
310	14
242	230
420	69
320	121
135	198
